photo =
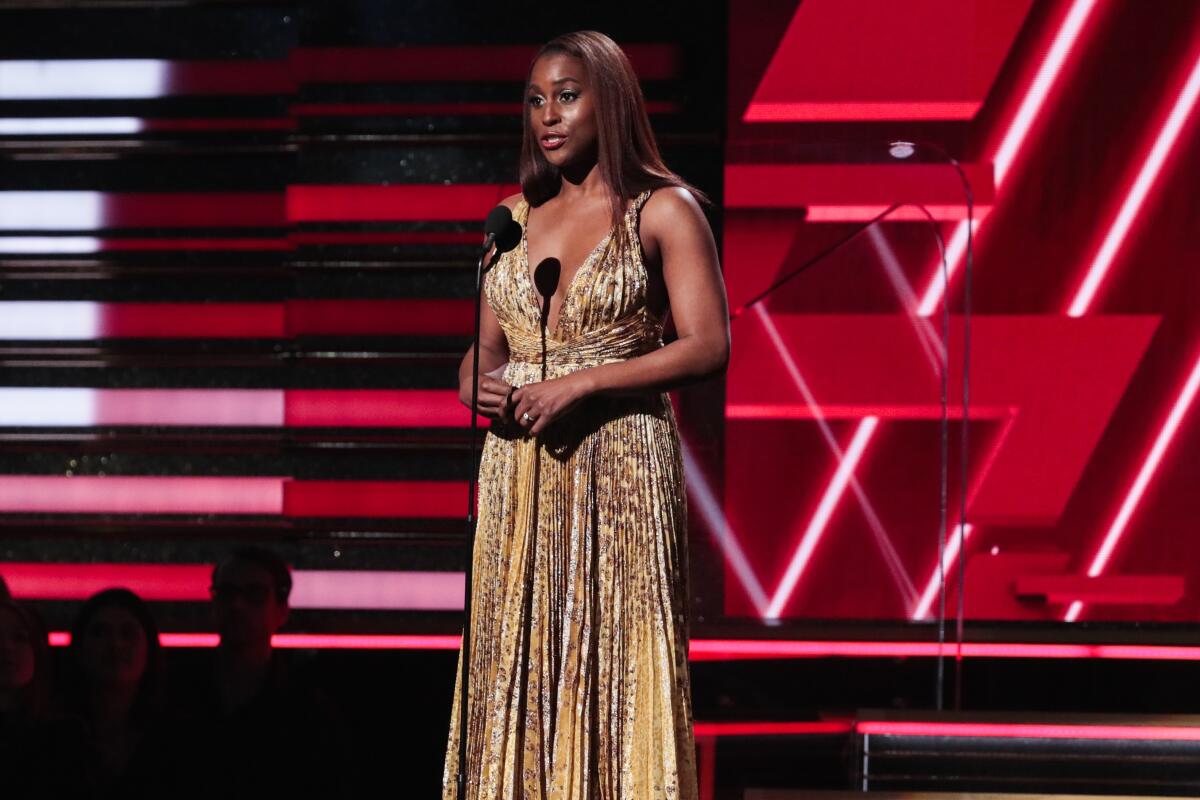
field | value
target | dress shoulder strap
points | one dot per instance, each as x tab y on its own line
640	200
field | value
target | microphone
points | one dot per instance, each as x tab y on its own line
545	279
501	230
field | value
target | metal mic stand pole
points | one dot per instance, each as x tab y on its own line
480	269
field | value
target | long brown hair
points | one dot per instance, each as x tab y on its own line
628	157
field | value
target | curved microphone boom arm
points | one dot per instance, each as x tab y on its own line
902	150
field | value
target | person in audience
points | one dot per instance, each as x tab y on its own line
117	685
258	729
42	754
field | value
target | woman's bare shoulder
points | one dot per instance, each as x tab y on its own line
669	207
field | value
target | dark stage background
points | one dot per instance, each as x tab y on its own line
236	246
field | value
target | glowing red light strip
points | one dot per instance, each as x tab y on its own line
729	649
1035	96
843	411
326	589
1023	730
862	213
736	649
949	554
306	641
718	524
820	518
1017	133
840	112
751	728
808	542
955	248
142	494
1164	143
1149	466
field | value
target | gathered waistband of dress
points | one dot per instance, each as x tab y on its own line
618	341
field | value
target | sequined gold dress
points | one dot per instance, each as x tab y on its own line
579	686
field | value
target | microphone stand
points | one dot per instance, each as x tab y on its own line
480	271
942	535
902	150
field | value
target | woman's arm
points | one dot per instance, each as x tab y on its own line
673	222
493	354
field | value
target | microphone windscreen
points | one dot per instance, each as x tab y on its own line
497	220
545	276
510	237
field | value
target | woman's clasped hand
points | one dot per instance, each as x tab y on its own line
536	405
532	406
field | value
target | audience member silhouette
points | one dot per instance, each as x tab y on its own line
118	686
258	730
42	754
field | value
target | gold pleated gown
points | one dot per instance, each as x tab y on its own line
579	686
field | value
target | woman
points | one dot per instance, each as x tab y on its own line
578	684
118	687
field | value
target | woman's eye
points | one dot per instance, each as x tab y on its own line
533	101
571	95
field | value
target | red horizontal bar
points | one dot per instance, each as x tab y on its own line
935	59
847	185
254	244
39	407
424	499
775	411
144	494
376	317
306	641
732	649
217	124
494	63
747	728
257	494
190	320
791	186
82	319
407	408
848	110
229	77
412	201
412	590
193	209
1021	730
385	237
499	109
862	213
1108	589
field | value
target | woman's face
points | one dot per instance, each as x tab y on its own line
114	647
16	652
562	110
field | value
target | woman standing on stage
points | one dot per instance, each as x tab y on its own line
578	684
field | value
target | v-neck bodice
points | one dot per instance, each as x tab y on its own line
603	315
583	265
